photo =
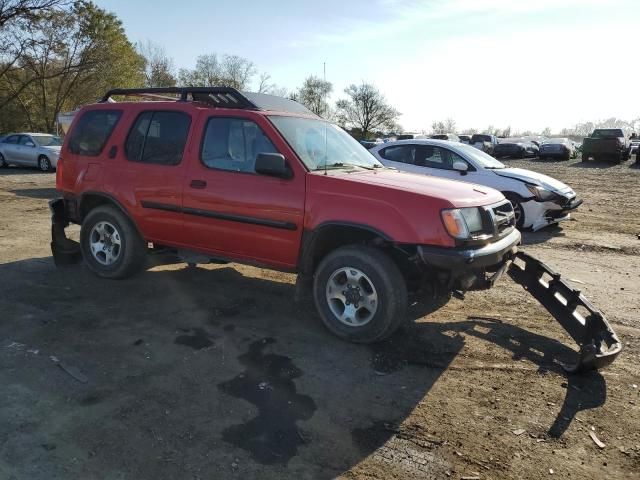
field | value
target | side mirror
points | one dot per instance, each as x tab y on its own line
30	144
272	164
460	166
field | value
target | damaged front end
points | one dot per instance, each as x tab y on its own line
65	251
599	345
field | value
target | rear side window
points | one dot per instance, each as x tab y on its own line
158	137
92	132
13	139
233	144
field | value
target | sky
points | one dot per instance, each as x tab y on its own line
528	64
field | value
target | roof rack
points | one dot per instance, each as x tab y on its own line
225	97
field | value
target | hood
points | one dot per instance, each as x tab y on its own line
534	178
456	193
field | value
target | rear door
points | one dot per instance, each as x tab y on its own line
10	150
230	209
150	155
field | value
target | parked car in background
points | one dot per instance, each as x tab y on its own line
607	144
39	150
452	137
561	148
465	139
515	148
483	142
538	200
369	144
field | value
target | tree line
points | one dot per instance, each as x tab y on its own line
56	55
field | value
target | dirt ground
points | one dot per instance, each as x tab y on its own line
212	372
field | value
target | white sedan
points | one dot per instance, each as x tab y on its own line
39	150
538	200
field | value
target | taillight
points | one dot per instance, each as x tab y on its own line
59	169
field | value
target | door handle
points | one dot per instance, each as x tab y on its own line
198	184
113	151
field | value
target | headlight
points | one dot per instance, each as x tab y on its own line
461	223
542	194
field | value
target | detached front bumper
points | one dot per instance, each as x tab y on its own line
65	251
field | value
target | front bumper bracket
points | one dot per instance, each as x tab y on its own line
599	345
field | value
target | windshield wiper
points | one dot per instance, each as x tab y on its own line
341	165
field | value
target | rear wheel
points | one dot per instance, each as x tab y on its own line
585	157
3	162
44	164
360	294
111	246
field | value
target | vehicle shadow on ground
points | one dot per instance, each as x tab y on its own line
593	164
22	171
46	193
543	235
198	357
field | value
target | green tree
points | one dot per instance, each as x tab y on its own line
158	66
213	71
72	57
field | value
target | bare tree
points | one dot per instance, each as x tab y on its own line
313	95
263	83
11	10
366	109
212	71
446	126
158	66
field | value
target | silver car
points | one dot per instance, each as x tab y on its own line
39	150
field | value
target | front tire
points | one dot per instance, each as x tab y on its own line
110	244
517	210
44	164
360	294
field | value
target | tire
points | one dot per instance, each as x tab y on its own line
44	164
585	157
3	162
380	273
130	255
517	208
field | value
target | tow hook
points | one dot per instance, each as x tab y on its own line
599	345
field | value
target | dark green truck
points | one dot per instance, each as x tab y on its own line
608	144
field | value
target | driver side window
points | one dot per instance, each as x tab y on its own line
233	144
440	158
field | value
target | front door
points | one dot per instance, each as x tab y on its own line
231	210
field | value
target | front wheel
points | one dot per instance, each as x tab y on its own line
517	210
110	244
44	164
360	294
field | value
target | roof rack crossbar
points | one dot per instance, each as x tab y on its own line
225	97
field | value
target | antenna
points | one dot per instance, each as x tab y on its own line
324	77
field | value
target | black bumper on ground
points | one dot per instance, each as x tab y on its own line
64	250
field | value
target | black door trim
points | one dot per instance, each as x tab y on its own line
221	216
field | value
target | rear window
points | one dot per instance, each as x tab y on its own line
92	132
158	137
608	133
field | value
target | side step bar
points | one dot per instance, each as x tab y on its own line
599	345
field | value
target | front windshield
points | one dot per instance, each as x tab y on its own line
320	144
480	157
47	140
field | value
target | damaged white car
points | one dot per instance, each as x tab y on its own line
538	200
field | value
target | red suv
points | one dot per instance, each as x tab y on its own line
219	175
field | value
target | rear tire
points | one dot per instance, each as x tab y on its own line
44	164
3	162
585	157
102	230
345	311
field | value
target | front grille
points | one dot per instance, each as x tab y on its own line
502	218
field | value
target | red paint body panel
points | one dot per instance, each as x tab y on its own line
404	207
